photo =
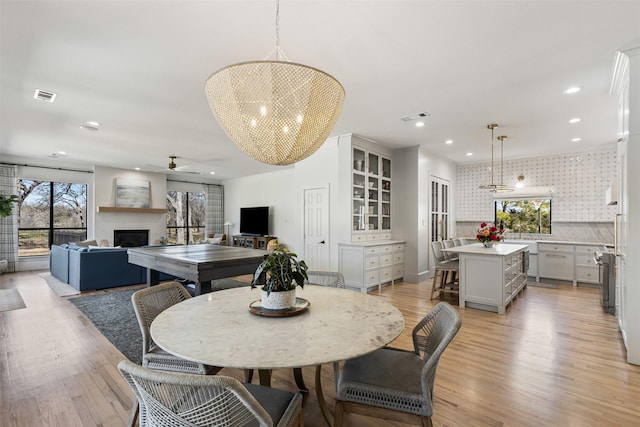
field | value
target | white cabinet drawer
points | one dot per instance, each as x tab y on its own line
373	250
386	274
586	250
587	274
386	259
386	249
355	238
398	271
372	262
371	277
555	247
398	248
398	258
585	260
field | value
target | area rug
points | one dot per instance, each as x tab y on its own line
112	313
10	299
60	288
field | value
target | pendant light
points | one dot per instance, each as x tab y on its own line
502	188
277	112
493	186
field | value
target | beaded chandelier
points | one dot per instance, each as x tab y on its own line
277	112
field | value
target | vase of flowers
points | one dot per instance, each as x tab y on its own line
277	276
489	235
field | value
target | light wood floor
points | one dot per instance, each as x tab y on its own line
554	359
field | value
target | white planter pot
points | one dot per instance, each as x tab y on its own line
278	300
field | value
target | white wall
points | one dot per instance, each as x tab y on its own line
278	190
107	222
412	171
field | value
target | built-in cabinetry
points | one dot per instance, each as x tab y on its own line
366	265
252	242
490	278
572	262
371	195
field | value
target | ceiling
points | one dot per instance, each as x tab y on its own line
139	67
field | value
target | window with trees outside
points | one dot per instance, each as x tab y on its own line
50	213
531	216
185	217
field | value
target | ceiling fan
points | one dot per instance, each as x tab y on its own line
175	168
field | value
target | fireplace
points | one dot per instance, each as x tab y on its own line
130	238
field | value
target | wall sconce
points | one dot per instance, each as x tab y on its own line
520	183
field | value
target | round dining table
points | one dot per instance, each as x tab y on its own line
219	329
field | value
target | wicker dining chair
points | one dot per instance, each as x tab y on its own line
398	384
332	279
176	399
148	303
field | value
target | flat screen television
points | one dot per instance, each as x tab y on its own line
254	221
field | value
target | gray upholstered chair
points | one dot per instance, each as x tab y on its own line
398	384
445	277
175	399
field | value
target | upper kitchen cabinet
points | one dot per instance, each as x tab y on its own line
371	194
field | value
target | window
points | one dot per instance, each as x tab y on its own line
524	215
50	213
185	217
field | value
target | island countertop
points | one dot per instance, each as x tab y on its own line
501	249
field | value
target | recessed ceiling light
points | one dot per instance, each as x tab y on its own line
573	89
449	141
419	124
93	123
576	139
212	173
89	128
575	120
137	169
469	154
62	153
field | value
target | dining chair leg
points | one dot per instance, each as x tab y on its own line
297	374
133	416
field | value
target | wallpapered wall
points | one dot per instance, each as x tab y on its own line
579	181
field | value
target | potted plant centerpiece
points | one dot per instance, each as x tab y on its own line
6	204
277	276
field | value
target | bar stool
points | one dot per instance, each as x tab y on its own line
445	277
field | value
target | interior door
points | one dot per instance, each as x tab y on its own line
316	228
439	209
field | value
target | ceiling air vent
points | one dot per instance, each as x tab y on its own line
419	116
43	95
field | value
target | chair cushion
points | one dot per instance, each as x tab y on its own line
274	401
386	378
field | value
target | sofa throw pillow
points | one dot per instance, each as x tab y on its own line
86	243
215	240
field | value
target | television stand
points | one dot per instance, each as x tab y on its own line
252	242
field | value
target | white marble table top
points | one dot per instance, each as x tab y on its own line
501	249
218	329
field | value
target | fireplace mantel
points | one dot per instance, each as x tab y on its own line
131	210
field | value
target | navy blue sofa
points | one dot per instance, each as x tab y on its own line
90	268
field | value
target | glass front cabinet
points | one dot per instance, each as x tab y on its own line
371	203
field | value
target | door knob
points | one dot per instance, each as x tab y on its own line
322	242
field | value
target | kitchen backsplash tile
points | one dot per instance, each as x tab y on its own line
579	181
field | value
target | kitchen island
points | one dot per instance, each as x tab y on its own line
490	278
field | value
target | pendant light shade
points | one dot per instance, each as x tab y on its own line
276	112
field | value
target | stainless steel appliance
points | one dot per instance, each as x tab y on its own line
606	261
